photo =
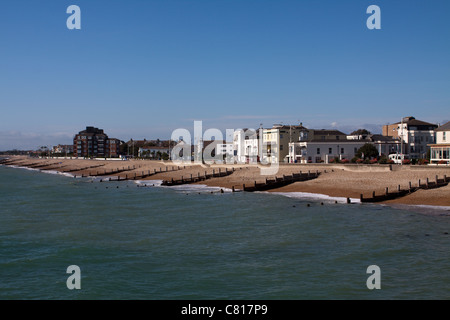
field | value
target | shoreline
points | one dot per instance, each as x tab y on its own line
336	181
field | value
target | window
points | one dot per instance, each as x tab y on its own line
342	150
443	136
281	147
281	136
318	150
356	150
330	150
337	137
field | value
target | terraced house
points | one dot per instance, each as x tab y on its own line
440	151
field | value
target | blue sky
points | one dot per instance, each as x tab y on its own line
142	68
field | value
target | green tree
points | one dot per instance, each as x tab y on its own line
360	132
369	151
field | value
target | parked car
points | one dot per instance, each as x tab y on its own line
398	157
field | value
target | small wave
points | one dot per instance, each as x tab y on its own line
20	167
54	172
149	183
198	188
58	173
425	209
181	187
315	197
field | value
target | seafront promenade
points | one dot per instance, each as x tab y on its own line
336	180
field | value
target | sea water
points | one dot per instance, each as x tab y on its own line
139	240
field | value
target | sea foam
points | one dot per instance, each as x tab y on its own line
315	197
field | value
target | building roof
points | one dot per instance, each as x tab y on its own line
286	126
381	138
444	127
328	132
411	121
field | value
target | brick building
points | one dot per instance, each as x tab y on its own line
93	142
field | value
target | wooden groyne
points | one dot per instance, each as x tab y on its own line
54	167
41	165
280	181
18	162
85	168
136	176
149	173
4	161
387	195
199	177
112	171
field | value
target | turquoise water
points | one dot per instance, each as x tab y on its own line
135	242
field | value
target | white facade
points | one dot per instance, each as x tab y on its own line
440	151
318	151
245	146
224	149
276	140
415	136
416	140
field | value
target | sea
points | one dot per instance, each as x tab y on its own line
139	240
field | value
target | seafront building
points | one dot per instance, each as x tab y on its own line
275	141
415	136
246	145
63	149
385	145
324	146
440	151
93	142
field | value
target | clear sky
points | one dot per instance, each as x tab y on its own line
142	68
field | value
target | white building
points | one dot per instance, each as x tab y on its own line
323	146
225	151
276	140
385	145
440	151
415	136
246	145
